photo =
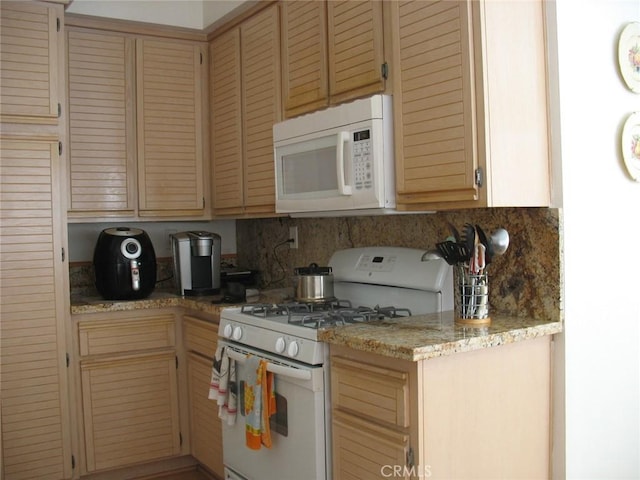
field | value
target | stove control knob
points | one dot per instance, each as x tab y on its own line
280	345
227	331
237	333
293	349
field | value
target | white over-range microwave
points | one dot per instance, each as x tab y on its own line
337	161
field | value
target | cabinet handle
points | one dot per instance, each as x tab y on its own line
384	70
479	177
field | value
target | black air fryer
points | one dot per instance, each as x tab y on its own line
125	264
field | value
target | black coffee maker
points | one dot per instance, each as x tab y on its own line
125	264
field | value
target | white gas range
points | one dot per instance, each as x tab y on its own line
369	283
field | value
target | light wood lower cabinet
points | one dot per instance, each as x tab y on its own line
480	414
200	339
128	388
130	408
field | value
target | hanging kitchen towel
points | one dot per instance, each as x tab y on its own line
222	387
259	403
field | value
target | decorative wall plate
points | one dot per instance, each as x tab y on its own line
629	55
631	145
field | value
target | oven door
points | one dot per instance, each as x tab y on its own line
298	429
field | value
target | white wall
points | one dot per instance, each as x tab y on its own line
83	236
601	237
197	14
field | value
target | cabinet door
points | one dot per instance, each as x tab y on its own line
30	61
434	101
355	49
102	146
226	123
34	395
364	450
304	56
206	428
130	408
260	40
169	120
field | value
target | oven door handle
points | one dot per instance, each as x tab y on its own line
273	367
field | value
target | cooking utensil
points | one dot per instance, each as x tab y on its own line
314	283
454	232
469	239
487	244
499	241
452	252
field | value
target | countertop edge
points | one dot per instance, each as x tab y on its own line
390	346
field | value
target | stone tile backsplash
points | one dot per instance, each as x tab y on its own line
525	281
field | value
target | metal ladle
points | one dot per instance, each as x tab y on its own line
499	241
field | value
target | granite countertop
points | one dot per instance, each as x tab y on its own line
81	304
415	338
422	337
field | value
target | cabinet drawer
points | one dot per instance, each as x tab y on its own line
126	334
366	390
200	336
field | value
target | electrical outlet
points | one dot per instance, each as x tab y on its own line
293	234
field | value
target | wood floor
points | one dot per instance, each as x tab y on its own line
184	468
188	475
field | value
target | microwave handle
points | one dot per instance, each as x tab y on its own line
343	138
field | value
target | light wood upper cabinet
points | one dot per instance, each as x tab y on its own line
226	122
356	49
245	104
102	150
304	56
260	41
170	108
465	134
137	120
332	52
30	61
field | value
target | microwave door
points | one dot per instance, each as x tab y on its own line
314	173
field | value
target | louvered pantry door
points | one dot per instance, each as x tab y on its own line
28	46
169	116
35	411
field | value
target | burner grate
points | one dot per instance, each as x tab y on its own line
323	314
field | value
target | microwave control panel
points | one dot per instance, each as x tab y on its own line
362	164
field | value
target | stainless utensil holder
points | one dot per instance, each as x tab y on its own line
472	302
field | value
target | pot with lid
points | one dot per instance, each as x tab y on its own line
313	283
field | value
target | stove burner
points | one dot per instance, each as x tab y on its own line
325	314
